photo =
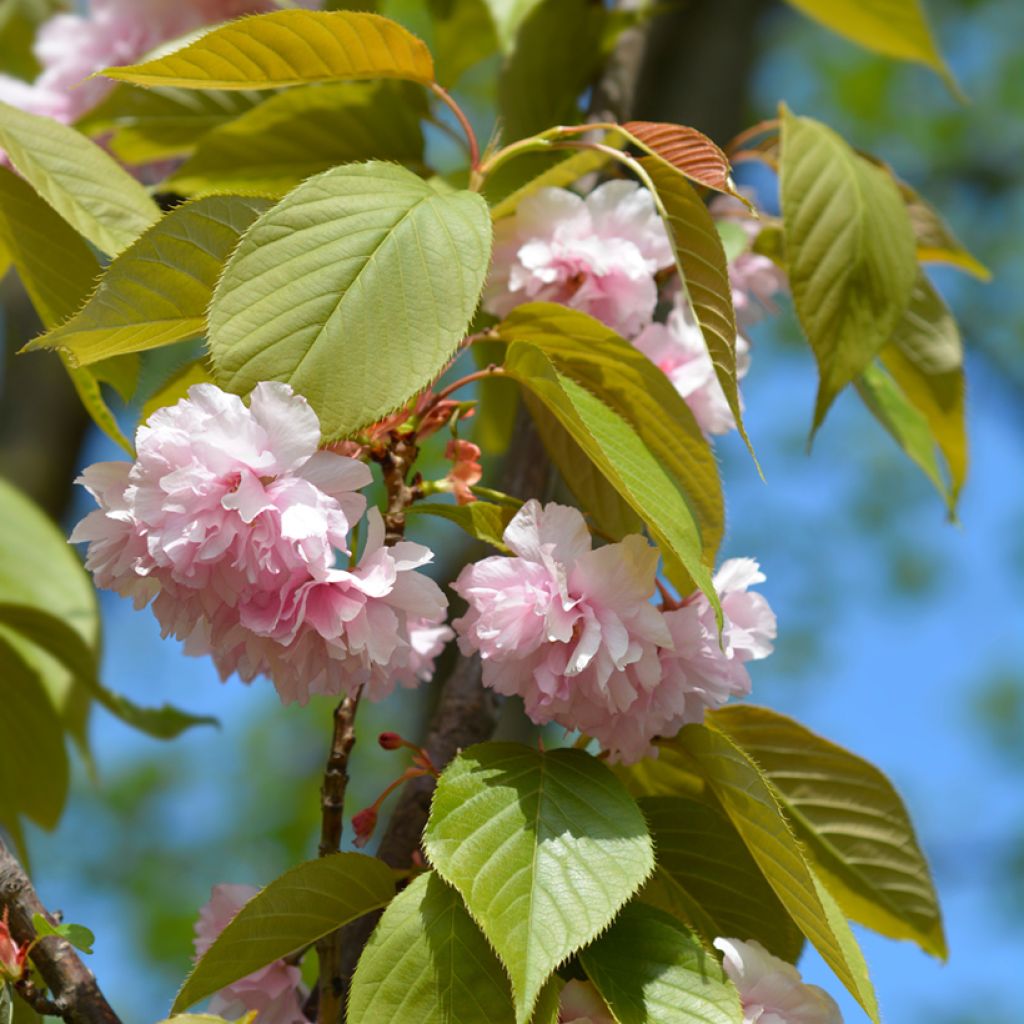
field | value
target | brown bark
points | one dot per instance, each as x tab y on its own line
76	996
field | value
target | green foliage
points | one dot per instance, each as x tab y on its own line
934	238
176	386
482	520
849	252
464	33
896	28
356	289
306	903
6	1004
702	265
560	175
274	50
301	132
76	934
544	849
618	452
158	290
649	969
851	822
750	802
427	961
86	186
702	860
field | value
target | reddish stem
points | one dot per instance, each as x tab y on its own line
487	371
445	97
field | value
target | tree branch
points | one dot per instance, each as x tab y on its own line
76	996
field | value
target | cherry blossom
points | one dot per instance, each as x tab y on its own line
231	521
597	253
677	347
274	991
466	470
771	990
580	1003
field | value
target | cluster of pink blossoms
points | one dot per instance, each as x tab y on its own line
274	992
573	632
601	254
231	520
70	47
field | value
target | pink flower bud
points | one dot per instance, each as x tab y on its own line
390	741
12	956
364	823
466	470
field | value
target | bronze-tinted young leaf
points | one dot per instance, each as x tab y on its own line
851	821
849	252
284	48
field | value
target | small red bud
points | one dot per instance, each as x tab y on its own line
364	823
390	740
12	956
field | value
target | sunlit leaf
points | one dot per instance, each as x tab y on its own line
427	961
482	520
158	290
291	47
84	184
303	905
356	289
851	822
544	849
849	252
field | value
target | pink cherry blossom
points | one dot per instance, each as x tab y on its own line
466	470
13	956
581	1003
677	347
230	522
559	623
274	991
598	254
70	47
771	990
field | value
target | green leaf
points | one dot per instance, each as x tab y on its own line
303	905
356	289
851	821
895	28
508	15
158	290
464	34
288	48
935	240
176	386
594	356
539	86
703	855
751	803
85	185
483	520
77	934
427	962
33	763
6	1004
619	453
849	252
301	132
544	849
649	969
704	270
61	641
925	359
153	124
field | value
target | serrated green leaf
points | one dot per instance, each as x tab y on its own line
703	855
616	449
33	763
356	289
153	124
704	270
935	240
849	252
85	185
176	386
61	640
285	48
482	520
895	28
650	969
539	86
302	132
751	803
303	905
158	290
427	961
628	382
851	821
544	849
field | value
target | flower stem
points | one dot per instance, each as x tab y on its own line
445	97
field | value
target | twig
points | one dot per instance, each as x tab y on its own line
77	998
445	97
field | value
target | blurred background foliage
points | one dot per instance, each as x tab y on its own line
899	633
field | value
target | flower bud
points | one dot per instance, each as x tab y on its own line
364	823
390	741
12	956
